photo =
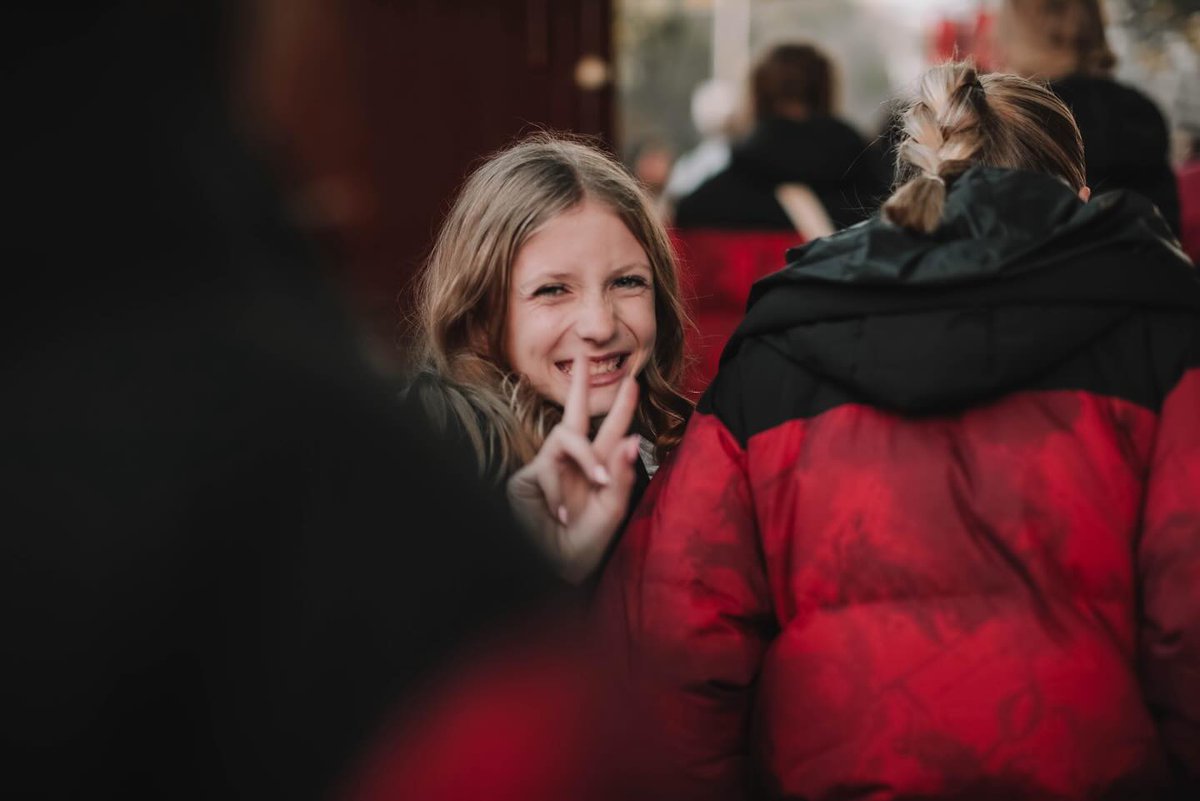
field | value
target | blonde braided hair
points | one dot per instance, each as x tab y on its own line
960	118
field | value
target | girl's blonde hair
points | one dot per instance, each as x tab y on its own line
959	119
462	297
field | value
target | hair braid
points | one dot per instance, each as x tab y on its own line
959	119
943	133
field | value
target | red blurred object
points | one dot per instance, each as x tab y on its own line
717	269
945	41
984	50
542	720
955	40
1189	208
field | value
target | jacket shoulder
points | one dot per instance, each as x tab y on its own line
760	384
447	408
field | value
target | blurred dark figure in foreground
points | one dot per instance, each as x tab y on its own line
796	140
224	557
1125	138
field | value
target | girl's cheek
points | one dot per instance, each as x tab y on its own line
640	308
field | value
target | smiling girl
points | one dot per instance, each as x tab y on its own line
550	302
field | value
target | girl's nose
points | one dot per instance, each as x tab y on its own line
597	320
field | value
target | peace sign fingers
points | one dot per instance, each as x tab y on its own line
619	419
575	410
574	493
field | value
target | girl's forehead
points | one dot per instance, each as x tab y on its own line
585	237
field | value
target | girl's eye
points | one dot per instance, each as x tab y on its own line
631	282
549	291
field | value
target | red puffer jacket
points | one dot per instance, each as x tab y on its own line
934	531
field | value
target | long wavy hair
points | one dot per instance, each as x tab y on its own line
462	296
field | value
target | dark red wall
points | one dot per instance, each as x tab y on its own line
378	109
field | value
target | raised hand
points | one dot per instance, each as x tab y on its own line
573	495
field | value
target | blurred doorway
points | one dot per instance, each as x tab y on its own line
379	109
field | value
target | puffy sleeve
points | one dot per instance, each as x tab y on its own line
1169	568
686	605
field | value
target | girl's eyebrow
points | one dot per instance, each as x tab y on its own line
633	265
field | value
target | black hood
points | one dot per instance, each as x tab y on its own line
819	150
1019	276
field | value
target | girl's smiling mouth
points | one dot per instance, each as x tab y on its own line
600	368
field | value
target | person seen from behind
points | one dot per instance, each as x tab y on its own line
934	529
1125	137
797	142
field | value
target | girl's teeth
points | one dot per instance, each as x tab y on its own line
597	368
600	368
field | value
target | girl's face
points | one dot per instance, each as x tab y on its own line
582	284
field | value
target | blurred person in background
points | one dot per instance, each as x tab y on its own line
934	529
796	141
1125	137
714	113
651	163
226	558
550	340
1188	172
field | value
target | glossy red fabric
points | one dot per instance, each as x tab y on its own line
717	269
1000	604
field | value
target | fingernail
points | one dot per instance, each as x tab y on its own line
601	474
562	515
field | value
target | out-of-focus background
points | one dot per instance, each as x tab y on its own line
374	110
665	48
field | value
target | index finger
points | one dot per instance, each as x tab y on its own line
619	418
575	411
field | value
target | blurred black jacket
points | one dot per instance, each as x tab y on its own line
823	153
1125	141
